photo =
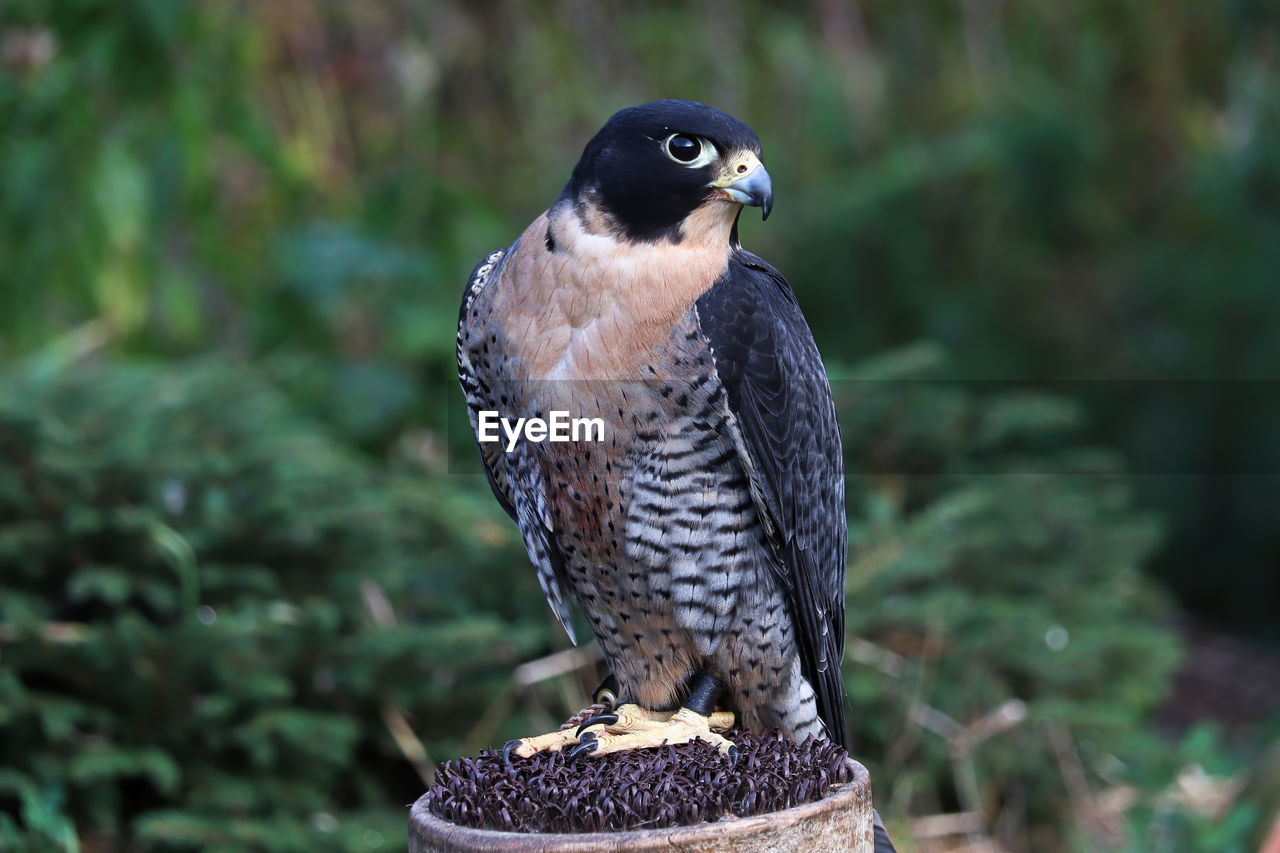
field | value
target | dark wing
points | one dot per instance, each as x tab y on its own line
516	482
789	441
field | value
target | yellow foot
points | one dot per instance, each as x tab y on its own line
632	727
527	747
629	727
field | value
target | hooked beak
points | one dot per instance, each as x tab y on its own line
745	181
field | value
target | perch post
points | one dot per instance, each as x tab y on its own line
840	823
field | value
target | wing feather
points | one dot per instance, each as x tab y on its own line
516	482
788	438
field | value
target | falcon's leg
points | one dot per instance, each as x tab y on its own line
632	727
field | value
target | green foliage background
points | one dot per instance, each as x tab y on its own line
232	240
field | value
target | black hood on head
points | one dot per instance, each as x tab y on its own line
642	189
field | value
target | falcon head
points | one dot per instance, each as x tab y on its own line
668	170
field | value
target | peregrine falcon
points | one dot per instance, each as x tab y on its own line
703	535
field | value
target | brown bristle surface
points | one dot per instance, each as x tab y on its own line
640	789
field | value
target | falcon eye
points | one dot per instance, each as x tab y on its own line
683	148
689	150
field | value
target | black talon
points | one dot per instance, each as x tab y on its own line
588	743
606	719
506	751
733	755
